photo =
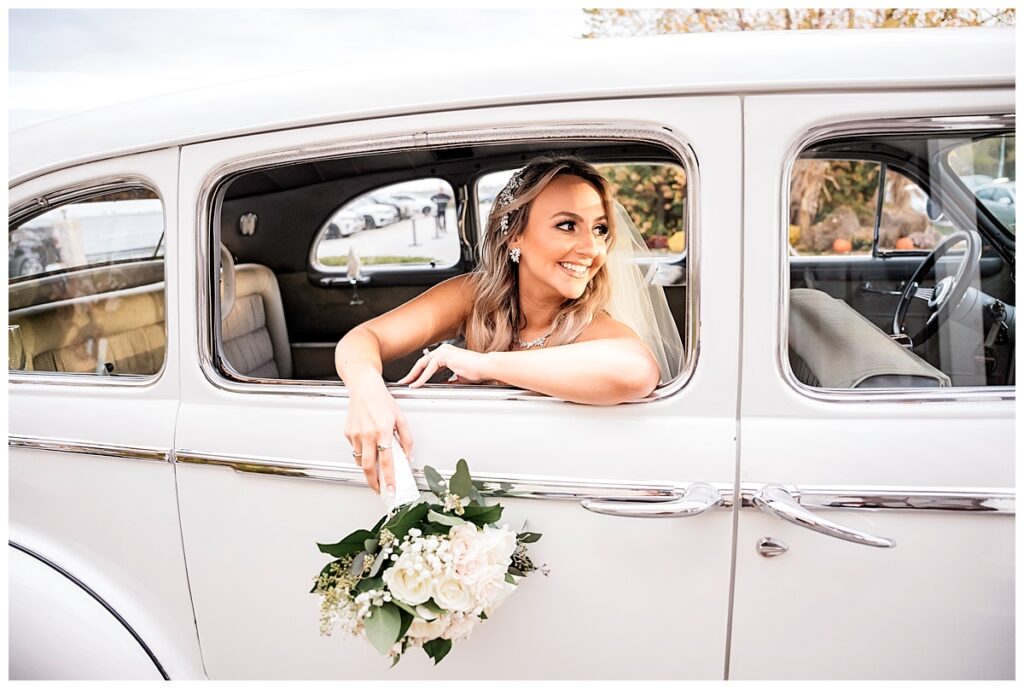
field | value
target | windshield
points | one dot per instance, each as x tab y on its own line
987	167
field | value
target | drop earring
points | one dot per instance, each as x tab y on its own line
514	254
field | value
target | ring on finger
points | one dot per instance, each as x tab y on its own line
381	448
357	454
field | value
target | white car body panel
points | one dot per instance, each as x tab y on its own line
674	623
939	604
63	632
693	64
109	522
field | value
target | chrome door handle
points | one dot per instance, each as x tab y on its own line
698	498
775	499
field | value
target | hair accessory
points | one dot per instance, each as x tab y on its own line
514	254
508	195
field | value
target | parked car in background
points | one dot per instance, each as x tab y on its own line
1001	199
374	214
344	224
824	489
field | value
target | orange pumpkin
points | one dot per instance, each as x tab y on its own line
842	245
905	243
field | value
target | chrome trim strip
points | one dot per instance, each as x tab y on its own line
817	135
212	188
24	211
975	500
96	597
30	442
496	486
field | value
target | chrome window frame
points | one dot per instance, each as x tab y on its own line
390	268
80	191
207	217
900	125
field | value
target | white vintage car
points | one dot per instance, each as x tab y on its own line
826	490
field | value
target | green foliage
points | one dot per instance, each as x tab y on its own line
482	514
653	195
461	483
349	545
437	649
383	627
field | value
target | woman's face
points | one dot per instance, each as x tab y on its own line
565	240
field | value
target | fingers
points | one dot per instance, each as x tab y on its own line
417	367
368	448
387	464
404	436
432	366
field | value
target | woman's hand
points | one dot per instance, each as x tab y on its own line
373	417
466	365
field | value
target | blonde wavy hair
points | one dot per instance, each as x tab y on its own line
495	319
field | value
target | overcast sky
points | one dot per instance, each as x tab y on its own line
65	61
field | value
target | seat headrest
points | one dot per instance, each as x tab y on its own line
227	282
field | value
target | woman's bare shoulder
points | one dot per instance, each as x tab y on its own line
604	327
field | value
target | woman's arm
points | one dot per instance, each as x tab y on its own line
608	364
373	415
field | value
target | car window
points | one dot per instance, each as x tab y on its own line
898	294
988	167
411	223
85	292
654	195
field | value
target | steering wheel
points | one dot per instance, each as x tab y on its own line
947	293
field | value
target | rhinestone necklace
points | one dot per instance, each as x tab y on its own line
539	342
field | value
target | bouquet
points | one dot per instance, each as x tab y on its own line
426	574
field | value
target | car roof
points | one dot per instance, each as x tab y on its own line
696	63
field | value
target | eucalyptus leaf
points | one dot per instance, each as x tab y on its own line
447	519
461	483
437	649
474	495
435	481
378	564
528	537
357	564
509	579
383	626
352	543
370	545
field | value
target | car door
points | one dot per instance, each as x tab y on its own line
898	563
264	471
93	395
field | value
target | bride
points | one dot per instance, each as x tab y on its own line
557	305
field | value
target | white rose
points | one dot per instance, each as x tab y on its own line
467	549
407	585
460	627
498	545
487	583
451	595
424	629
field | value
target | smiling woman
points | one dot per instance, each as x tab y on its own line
533	315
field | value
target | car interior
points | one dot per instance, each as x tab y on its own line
935	317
